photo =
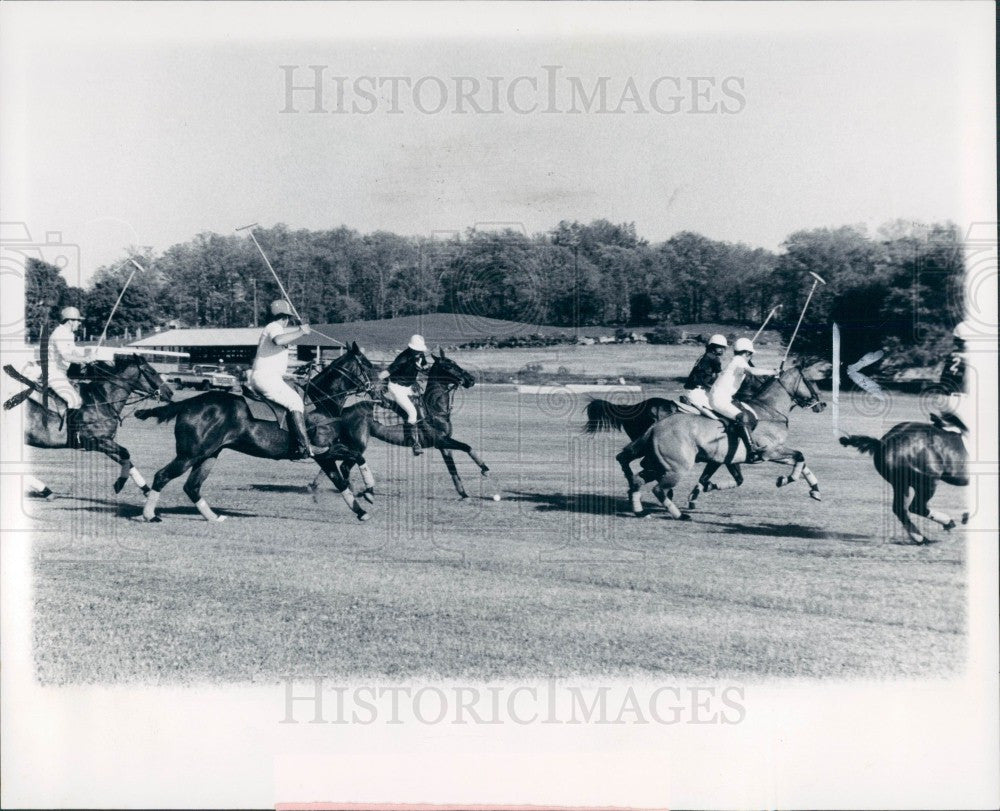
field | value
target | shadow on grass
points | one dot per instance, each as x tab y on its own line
788	531
586	503
282	488
107	506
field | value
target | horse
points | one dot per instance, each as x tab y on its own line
671	446
357	424
211	422
104	392
916	455
635	419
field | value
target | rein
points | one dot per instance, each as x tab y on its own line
362	385
757	402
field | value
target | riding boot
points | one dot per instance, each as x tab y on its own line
73	428
753	452
412	436
305	449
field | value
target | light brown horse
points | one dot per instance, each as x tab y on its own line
673	445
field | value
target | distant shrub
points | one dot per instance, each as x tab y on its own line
665	335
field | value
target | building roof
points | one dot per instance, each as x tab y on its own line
242	336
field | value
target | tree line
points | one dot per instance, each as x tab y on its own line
898	289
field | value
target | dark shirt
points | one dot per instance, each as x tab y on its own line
704	372
953	374
403	370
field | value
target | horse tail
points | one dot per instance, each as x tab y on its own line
162	413
864	444
604	416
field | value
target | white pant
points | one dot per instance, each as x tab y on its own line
698	397
963	407
402	395
64	387
278	390
725	406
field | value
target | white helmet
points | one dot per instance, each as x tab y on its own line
417	343
70	314
718	340
280	307
963	331
743	345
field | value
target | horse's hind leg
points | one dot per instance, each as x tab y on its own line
199	472
176	467
900	491
923	491
665	486
628	454
705	485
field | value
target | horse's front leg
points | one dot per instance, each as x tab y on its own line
449	462
120	455
455	445
329	466
790	456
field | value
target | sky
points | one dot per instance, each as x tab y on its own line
743	122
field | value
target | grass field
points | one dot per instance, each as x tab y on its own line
556	579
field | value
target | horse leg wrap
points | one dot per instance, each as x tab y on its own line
637	502
136	476
149	508
207	512
367	476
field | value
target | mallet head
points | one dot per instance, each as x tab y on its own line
817	277
246	227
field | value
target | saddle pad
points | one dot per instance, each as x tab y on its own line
265	410
386	416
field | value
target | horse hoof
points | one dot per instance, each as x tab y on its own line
965	518
814	494
218	519
780	482
146	489
949	526
692	506
363	516
154	520
684	517
367	495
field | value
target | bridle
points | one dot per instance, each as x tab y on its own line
800	401
363	384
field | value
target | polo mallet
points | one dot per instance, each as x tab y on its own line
114	309
816	280
770	315
281	287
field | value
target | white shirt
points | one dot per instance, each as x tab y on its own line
63	349
271	359
731	378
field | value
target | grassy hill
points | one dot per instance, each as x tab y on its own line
438	329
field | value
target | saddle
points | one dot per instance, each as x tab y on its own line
686	407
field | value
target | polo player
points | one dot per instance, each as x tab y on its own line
705	373
402	377
729	382
63	351
270	365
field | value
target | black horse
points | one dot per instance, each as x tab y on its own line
916	456
213	421
357	425
105	389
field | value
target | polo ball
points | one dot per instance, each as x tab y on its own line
496	496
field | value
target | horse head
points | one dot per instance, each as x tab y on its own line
351	373
140	376
801	388
447	371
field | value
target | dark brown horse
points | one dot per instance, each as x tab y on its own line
106	388
915	456
213	421
357	424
